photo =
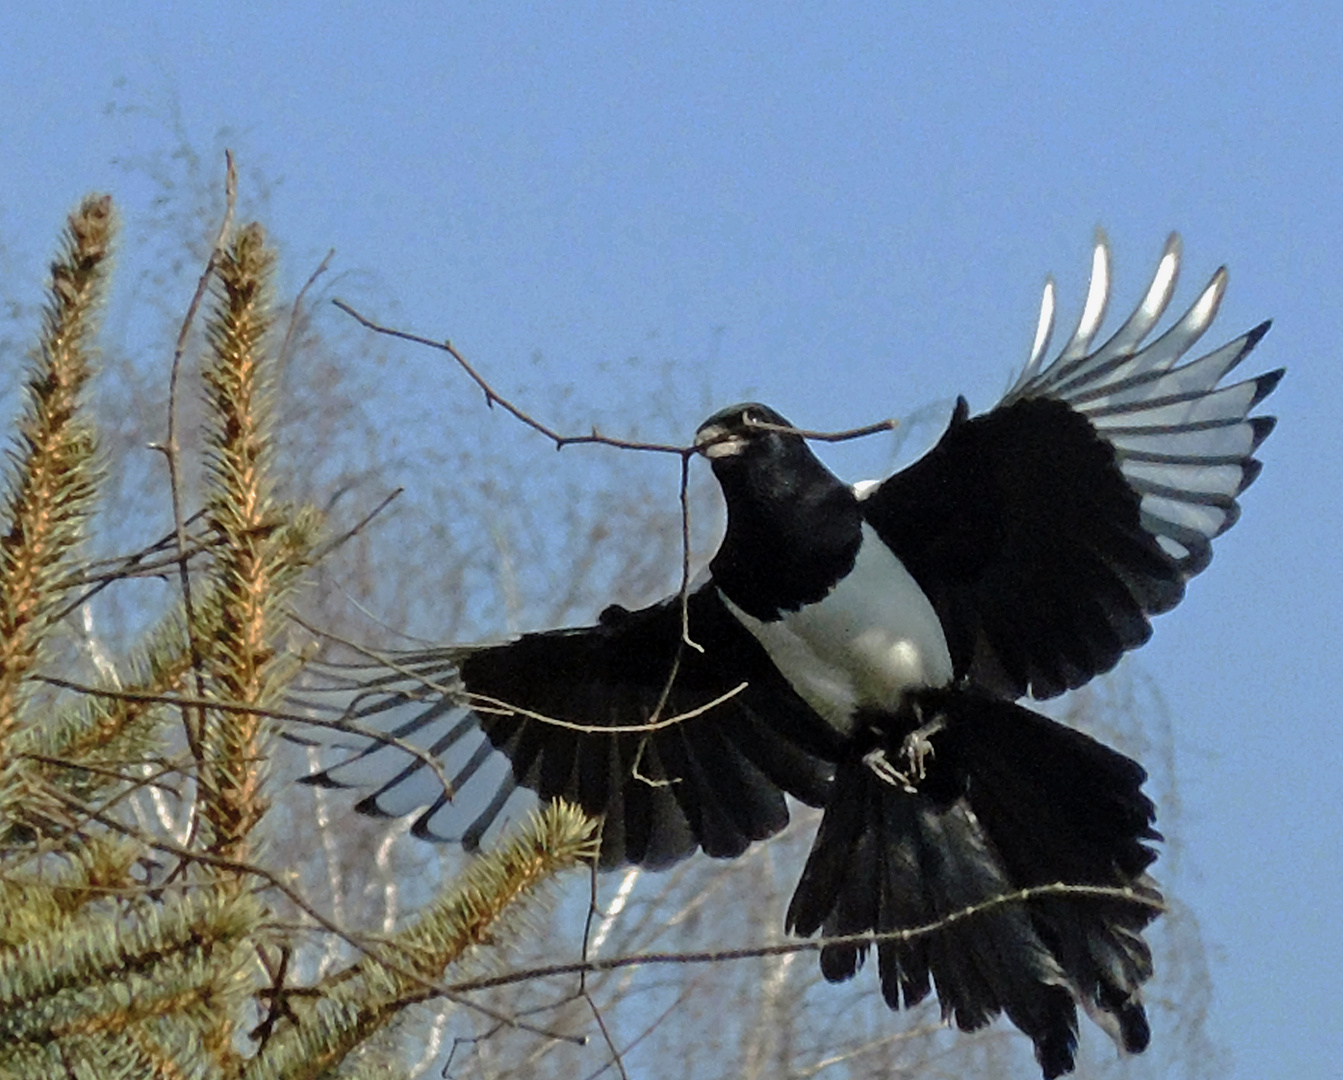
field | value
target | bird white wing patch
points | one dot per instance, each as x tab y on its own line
468	799
1183	442
874	636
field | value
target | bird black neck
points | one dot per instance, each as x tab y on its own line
793	530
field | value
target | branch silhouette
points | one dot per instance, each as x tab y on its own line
494	397
753	952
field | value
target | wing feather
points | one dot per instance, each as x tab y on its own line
560	712
1046	531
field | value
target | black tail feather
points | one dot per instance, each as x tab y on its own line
1011	800
1061	807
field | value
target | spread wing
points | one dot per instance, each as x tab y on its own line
678	748
1047	531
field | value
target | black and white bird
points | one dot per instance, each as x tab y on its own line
863	649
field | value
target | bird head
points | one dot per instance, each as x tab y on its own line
742	431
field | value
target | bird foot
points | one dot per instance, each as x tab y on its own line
915	750
877	761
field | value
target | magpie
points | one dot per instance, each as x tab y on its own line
866	650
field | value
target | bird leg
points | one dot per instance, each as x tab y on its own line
918	745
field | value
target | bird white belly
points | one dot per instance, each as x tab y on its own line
874	636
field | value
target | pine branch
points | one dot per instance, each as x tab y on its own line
356	1003
52	475
132	942
262	547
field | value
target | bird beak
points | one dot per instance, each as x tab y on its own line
715	441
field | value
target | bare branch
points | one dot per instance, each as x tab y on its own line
490	706
717	956
368	946
826	436
202	703
493	397
331	545
171	450
291	329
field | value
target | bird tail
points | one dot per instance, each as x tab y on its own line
1009	800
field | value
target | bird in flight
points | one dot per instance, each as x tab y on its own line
866	649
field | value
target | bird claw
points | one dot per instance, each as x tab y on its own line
877	761
915	750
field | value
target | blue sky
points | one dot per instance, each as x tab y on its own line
847	212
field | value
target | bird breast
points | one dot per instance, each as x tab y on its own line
874	636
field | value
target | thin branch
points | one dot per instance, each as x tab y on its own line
616	1058
323	550
491	706
111	772
171	450
291	330
493	397
1100	892
367	947
651	1027
826	436
583	992
136	565
202	703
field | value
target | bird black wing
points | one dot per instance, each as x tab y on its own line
678	747
1046	531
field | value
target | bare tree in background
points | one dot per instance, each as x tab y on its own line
496	533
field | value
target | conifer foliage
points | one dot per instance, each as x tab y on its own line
130	947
